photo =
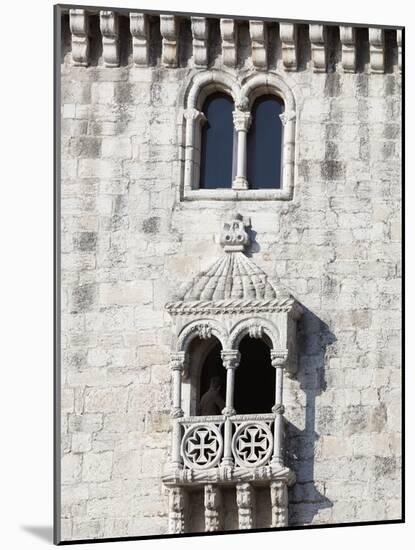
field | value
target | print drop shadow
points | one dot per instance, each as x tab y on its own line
313	338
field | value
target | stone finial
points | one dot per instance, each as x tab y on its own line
168	30
318	47
78	22
234	237
200	30
288	35
348	41
229	34
139	27
258	32
377	50
109	25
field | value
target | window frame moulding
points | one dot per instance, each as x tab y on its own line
190	129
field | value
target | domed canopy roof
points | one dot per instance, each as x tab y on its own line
232	277
234	282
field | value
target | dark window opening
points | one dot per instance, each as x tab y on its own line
254	378
213	369
264	150
217	143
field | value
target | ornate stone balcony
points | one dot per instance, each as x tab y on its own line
229	449
232	300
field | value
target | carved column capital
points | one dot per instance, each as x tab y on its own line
194	114
230	358
177	360
279	358
241	120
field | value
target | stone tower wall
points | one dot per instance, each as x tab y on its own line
128	241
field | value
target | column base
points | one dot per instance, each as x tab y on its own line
240	184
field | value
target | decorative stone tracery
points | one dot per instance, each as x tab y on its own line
230	448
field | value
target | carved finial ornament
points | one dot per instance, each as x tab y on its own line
234	237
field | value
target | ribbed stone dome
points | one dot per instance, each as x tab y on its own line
232	277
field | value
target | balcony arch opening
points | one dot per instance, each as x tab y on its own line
213	380
254	378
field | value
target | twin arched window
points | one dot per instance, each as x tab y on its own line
241	150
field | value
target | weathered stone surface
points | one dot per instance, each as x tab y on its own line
129	243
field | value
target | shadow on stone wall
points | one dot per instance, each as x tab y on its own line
307	497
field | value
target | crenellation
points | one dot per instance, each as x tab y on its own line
348	41
169	33
229	34
377	50
318	39
259	38
140	31
288	35
109	26
200	34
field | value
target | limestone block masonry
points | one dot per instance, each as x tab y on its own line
130	238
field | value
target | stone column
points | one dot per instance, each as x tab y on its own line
245	502
242	121
230	360
177	366
177	510
194	122
213	508
279	503
278	360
